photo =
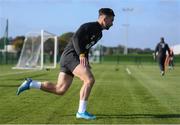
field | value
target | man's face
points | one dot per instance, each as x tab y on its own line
108	22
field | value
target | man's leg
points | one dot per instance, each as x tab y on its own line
63	83
85	74
161	64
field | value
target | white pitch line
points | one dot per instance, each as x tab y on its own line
128	71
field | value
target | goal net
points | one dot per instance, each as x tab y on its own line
39	51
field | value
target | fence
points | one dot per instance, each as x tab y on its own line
8	58
134	59
12	58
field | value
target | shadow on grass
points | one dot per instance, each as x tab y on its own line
130	116
135	116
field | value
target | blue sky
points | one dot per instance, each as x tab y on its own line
149	20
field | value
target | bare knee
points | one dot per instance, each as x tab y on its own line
47	84
60	90
90	81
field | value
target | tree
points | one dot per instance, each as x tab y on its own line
49	48
63	41
3	42
18	42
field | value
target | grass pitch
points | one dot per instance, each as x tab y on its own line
132	94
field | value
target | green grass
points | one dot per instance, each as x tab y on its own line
116	98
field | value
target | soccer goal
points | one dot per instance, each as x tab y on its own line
39	51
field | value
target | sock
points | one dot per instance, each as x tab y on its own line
82	106
35	84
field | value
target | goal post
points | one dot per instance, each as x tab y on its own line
39	51
48	51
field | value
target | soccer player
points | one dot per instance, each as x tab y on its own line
74	62
171	59
160	53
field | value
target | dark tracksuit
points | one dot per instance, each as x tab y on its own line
161	48
84	38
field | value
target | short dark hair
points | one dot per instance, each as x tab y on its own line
106	11
162	39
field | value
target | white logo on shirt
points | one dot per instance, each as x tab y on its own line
92	37
162	45
90	44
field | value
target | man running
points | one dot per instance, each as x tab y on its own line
160	53
74	62
171	59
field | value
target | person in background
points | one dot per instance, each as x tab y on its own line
171	59
160	54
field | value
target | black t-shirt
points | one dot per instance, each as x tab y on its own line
161	48
84	38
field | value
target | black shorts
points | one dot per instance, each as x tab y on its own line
69	62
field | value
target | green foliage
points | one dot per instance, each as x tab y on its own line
3	41
18	42
63	40
49	45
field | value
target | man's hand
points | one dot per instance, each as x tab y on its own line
83	60
154	56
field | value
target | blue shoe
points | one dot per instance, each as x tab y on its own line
85	115
24	86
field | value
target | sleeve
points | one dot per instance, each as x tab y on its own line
79	40
156	49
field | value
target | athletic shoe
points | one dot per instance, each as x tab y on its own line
162	73
85	115
24	86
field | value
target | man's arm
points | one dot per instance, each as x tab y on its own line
155	52
79	40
